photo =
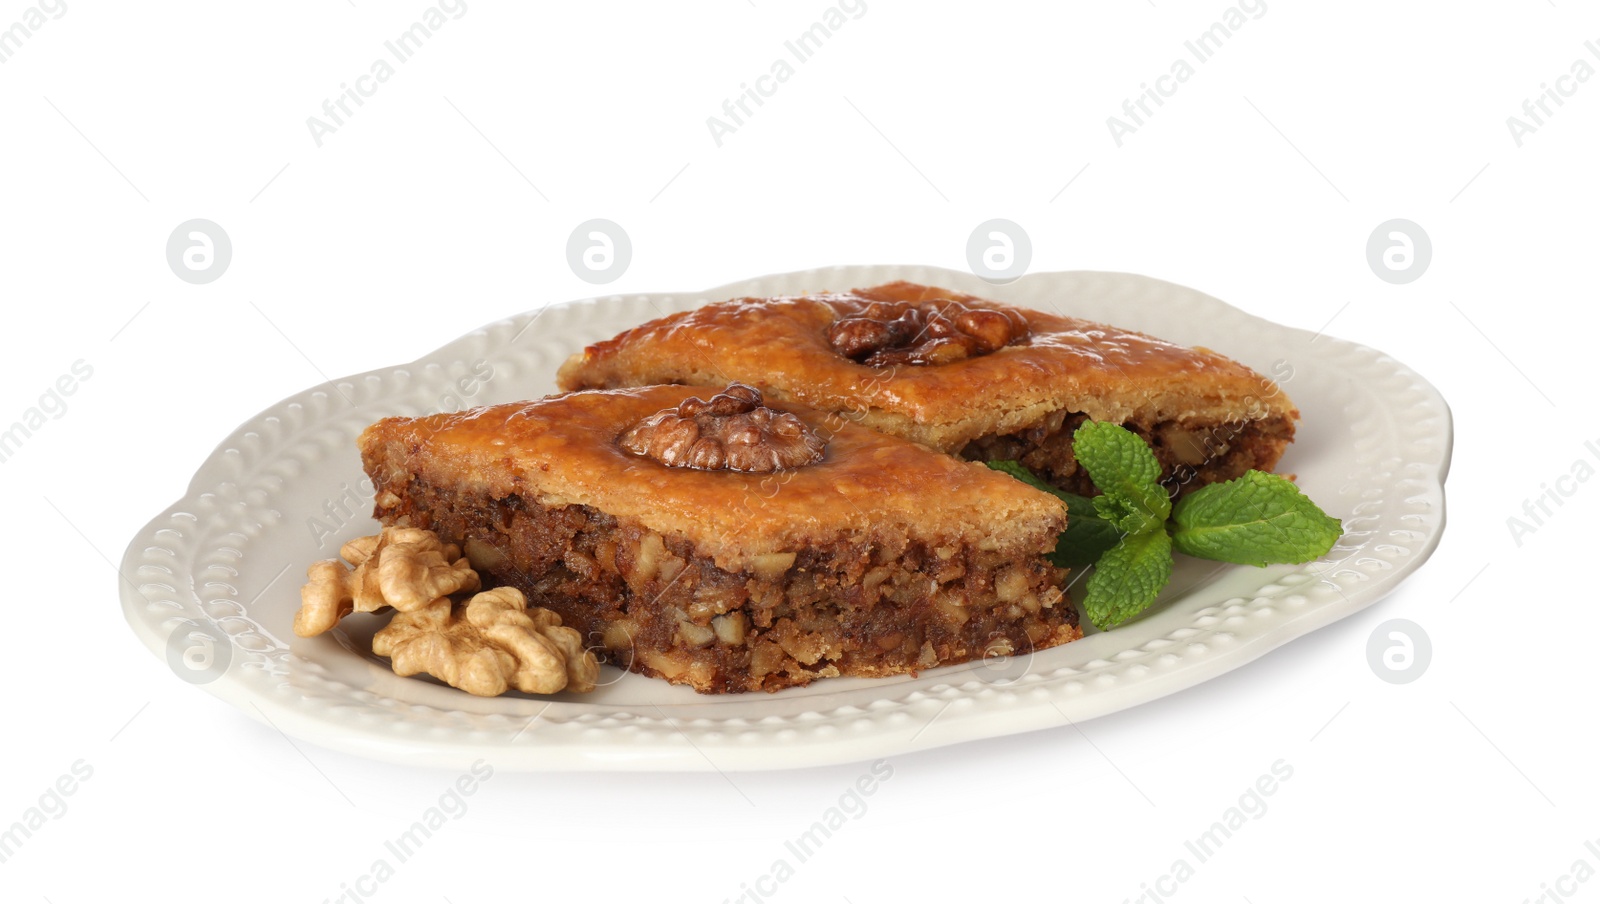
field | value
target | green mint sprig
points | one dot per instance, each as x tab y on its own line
1128	577
1256	519
1126	472
1130	531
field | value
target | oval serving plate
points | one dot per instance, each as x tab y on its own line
216	577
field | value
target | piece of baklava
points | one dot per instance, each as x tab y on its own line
966	376
732	543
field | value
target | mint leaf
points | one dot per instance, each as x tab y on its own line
1086	536
1253	520
1126	471
1128	577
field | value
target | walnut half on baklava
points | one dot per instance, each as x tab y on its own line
966	376
729	543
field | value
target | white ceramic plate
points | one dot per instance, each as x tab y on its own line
218	574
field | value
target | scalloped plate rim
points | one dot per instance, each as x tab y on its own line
326	729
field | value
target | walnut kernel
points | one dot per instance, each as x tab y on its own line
403	567
930	333
495	643
733	431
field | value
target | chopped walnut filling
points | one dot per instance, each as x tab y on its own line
887	334
732	431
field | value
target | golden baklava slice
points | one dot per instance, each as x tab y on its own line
966	376
730	541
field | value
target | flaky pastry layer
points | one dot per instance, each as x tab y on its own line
563	450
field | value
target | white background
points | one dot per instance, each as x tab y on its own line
445	202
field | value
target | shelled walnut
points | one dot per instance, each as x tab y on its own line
402	567
887	334
733	430
490	645
487	645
